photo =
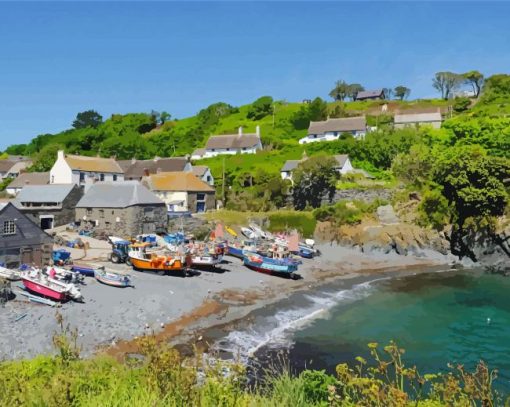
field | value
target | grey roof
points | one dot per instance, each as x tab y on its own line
233	141
290	165
341	159
118	195
367	94
418	118
200	170
44	193
339	125
30	178
199	151
137	168
6	165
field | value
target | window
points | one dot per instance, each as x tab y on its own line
52	179
115	177
200	197
244	148
228	149
101	177
82	177
212	149
9	227
101	213
89	211
209	178
107	224
113	212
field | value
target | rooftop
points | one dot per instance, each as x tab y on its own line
178	181
137	168
118	195
233	141
93	164
30	178
339	125
44	193
417	117
200	170
366	94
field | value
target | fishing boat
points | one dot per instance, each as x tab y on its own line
206	260
38	283
8	274
267	265
85	269
249	233
112	278
143	261
237	249
61	274
259	232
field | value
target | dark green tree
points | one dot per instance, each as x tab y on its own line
402	92
259	109
88	118
44	159
475	79
353	90
461	104
314	180
164	117
339	92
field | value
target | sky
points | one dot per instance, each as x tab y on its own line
60	58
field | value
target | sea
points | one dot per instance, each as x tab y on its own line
440	317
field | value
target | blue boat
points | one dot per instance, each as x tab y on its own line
306	252
84	269
238	251
267	265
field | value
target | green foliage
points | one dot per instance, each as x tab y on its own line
434	210
314	179
315	111
446	83
303	222
260	108
16	149
88	118
461	104
44	159
316	386
402	92
475	79
347	212
413	167
4	183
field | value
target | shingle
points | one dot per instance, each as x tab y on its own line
118	195
200	170
364	94
346	124
44	193
341	159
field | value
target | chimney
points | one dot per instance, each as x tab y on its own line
146	172
257	130
60	154
133	160
240	130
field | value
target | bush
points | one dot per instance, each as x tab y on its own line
260	108
303	222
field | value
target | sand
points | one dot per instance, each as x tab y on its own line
173	307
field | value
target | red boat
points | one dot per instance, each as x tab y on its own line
37	283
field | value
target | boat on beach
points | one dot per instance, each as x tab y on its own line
85	269
143	261
262	264
38	283
237	249
62	274
9	274
112	278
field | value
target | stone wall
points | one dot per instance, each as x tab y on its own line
210	201
365	195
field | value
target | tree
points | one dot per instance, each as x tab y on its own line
388	93
44	159
88	118
446	83
260	108
475	79
339	92
164	117
402	92
318	110
413	167
461	104
353	90
314	179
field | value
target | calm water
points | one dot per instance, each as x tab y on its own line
437	317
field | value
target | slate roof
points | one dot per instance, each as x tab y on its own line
117	195
233	141
290	165
44	193
198	151
137	167
6	165
340	125
200	170
341	159
30	178
417	118
93	164
367	94
178	181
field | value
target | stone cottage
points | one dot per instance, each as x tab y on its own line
22	241
50	205
136	169
123	209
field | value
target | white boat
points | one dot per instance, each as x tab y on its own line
259	232
249	233
37	282
61	274
12	275
206	260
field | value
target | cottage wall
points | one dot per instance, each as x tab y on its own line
210	201
435	125
61	173
29	244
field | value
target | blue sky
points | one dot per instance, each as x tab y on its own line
57	59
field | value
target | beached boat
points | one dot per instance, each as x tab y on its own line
112	278
8	274
267	265
205	260
38	283
85	269
61	274
249	233
237	249
141	260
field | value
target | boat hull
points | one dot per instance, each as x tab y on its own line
270	267
152	265
235	252
113	282
84	270
44	291
205	261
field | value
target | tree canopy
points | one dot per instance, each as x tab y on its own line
88	118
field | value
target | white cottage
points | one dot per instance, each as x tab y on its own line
230	144
342	165
76	169
403	120
332	129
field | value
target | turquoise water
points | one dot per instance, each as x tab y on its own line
458	317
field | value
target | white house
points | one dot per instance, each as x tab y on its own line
403	120
203	172
230	144
332	129
343	165
76	169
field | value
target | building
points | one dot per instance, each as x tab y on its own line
403	120
49	206
203	172
136	169
231	144
198	154
122	209
377	94
80	170
22	242
27	178
13	166
332	129
182	191
343	165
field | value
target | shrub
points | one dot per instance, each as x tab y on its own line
303	222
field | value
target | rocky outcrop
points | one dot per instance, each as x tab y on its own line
365	195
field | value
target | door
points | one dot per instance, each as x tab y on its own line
200	207
46	223
31	256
